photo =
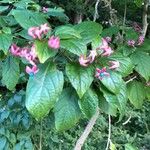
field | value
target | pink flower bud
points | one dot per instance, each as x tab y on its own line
31	70
15	50
83	61
44	28
136	27
92	56
140	40
131	43
35	32
114	64
54	42
108	39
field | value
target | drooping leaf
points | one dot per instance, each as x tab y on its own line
80	77
43	51
89	103
66	110
126	65
67	32
113	82
27	18
75	46
142	61
89	30
10	72
136	93
5	42
43	90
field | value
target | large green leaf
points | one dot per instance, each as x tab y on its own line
89	103
5	42
43	90
75	46
43	51
27	18
142	61
89	30
113	82
126	65
80	77
136	93
10	72
66	110
67	32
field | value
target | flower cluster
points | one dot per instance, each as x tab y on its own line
106	51
41	31
29	54
140	40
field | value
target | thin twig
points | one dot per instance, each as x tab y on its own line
131	79
96	10
109	133
127	121
40	144
87	131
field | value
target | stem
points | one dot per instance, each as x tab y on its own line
87	131
131	79
40	144
109	133
96	10
145	14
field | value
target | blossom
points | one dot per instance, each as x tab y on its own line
92	55
131	43
35	32
114	64
136	27
83	61
100	73
107	51
44	9
15	50
32	70
44	28
54	42
140	40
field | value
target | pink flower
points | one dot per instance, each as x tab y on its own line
35	32
44	28
101	73
32	70
107	51
44	9
114	64
15	50
83	61
33	52
131	43
140	40
54	42
92	56
24	52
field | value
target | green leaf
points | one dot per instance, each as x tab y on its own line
113	82
131	34
89	30
3	141
3	8
10	72
142	61
66	110
80	77
67	32
89	103
126	65
147	90
27	18
43	90
5	42
145	46
43	51
110	31
136	93
129	146
75	46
